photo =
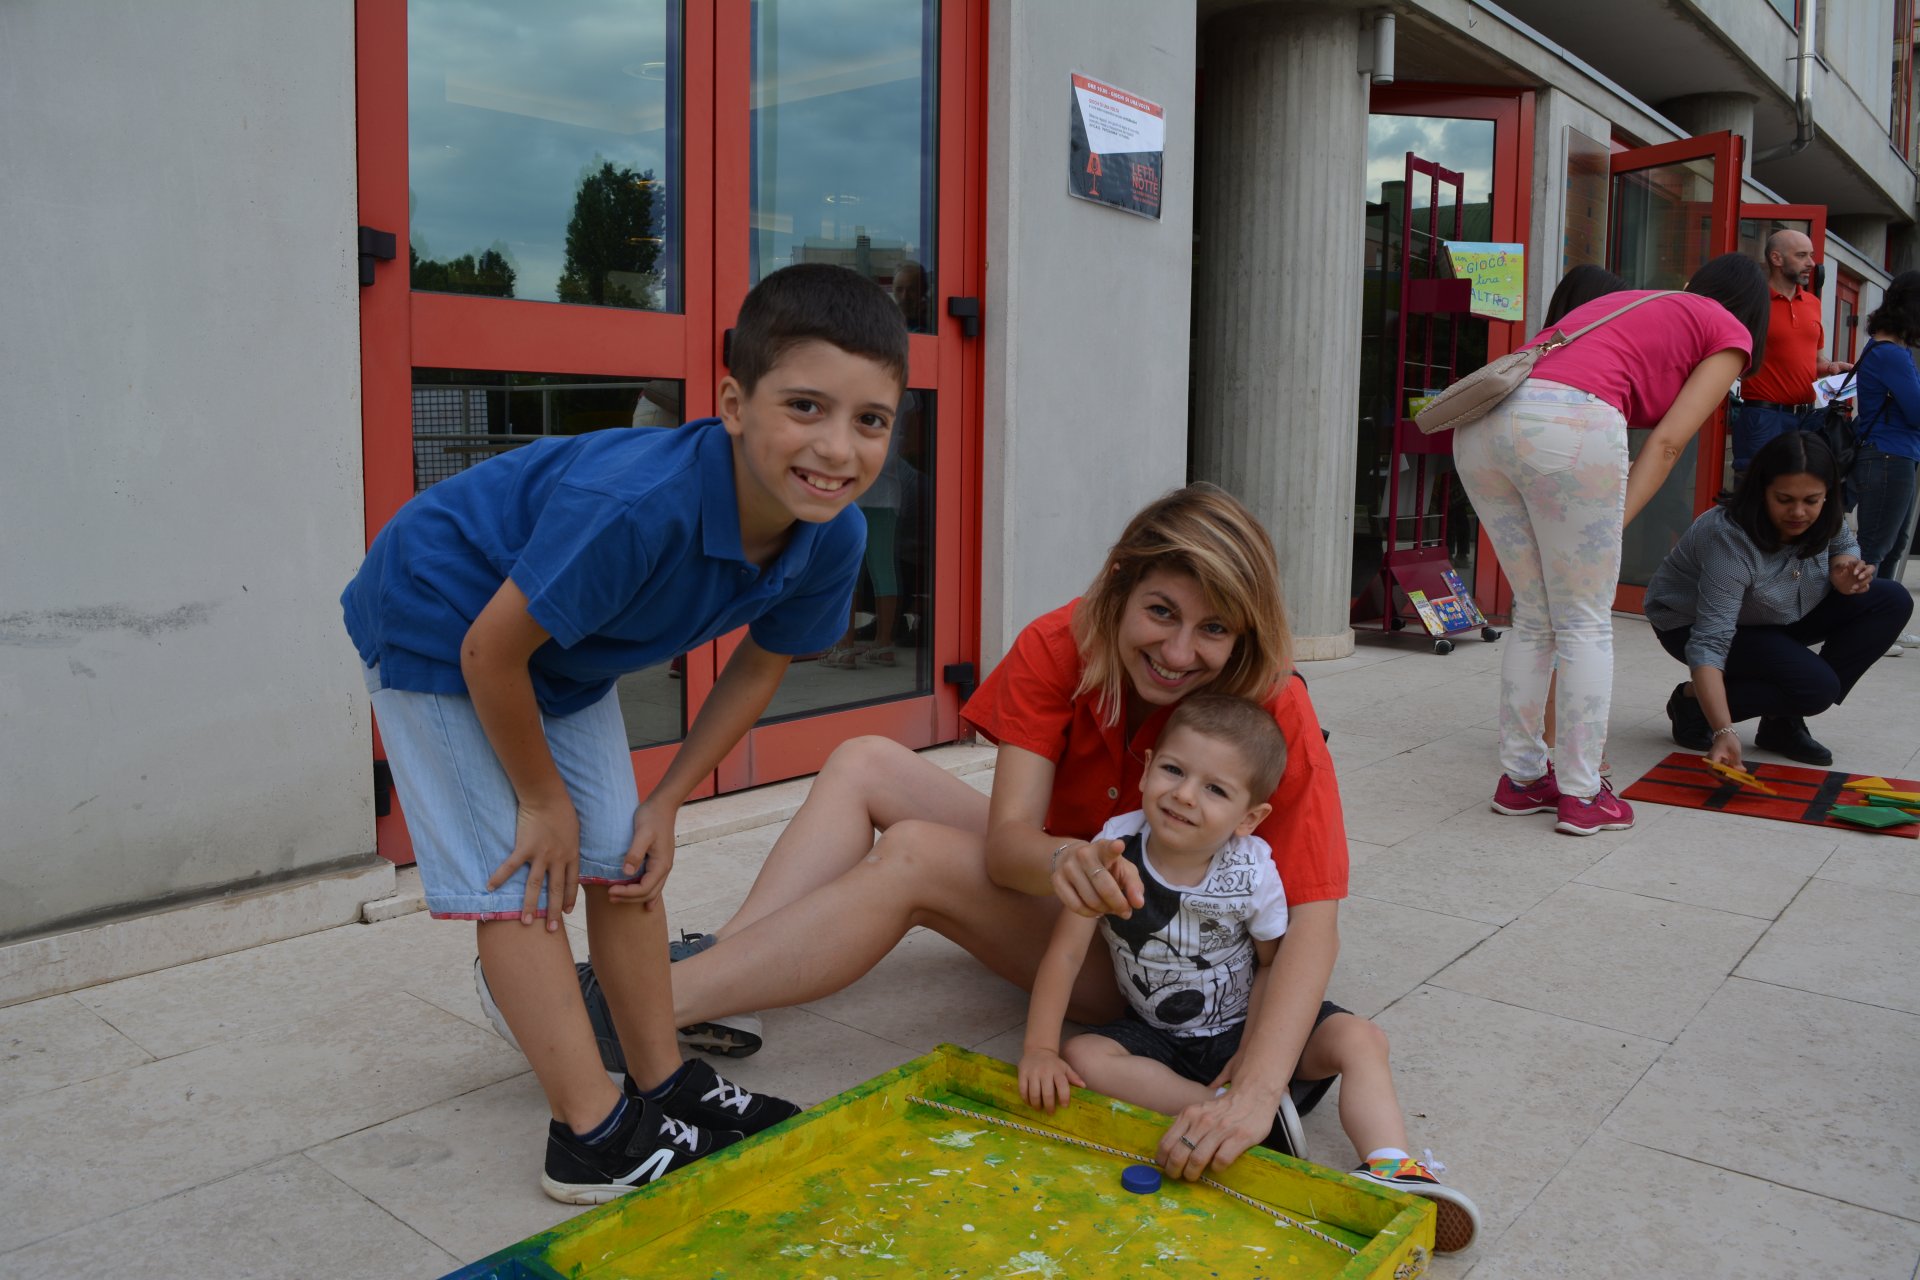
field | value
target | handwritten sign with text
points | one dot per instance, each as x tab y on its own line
1498	272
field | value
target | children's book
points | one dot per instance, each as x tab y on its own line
1474	617
1428	614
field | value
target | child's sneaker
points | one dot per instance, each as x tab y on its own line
1517	801
703	1097
1458	1221
648	1144
1605	812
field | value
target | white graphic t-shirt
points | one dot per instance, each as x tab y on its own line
1186	959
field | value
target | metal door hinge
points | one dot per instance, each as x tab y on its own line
382	789
961	675
967	312
379	245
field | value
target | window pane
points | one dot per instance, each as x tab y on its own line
886	652
543	150
464	416
845	100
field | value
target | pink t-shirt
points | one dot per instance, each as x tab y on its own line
1639	362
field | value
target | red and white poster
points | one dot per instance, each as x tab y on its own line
1117	143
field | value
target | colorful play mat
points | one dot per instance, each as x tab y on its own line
1785	793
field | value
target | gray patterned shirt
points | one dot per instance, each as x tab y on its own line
1717	578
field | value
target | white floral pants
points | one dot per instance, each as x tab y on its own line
1547	473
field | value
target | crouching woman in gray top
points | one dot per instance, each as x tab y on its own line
1750	587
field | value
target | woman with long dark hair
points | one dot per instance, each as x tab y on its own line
1750	586
1549	476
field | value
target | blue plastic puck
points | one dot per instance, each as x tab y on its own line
1141	1179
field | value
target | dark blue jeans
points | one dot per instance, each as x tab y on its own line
1771	671
1884	484
1753	425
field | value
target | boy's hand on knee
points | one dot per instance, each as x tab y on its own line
650	857
1046	1079
546	841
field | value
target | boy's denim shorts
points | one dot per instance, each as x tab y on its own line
461	809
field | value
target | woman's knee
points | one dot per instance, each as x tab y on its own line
931	863
864	761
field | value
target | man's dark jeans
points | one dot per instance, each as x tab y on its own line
1753	425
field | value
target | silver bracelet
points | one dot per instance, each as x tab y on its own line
1054	866
1725	728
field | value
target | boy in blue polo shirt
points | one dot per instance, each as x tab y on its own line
494	613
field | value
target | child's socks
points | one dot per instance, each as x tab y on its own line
606	1128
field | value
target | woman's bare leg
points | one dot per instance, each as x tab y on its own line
920	873
867	784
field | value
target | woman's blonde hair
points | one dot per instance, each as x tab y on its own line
1203	532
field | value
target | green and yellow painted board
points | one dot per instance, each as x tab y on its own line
874	1183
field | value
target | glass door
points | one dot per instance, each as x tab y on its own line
581	195
1671	208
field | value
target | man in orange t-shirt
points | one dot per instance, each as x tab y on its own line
1778	396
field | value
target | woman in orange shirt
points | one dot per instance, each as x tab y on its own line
1187	599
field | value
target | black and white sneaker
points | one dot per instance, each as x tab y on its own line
704	1097
648	1145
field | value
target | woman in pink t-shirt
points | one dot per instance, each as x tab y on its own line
1548	474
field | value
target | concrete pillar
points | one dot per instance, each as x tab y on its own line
1282	231
1703	113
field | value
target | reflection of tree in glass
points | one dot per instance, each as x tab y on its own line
490	275
613	239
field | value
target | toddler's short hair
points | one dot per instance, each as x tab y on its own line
816	301
1246	726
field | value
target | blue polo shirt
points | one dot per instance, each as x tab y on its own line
627	546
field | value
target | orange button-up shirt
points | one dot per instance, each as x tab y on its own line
1794	339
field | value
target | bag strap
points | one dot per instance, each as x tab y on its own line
1560	340
1860	437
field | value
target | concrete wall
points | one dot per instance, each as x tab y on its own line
182	485
1087	307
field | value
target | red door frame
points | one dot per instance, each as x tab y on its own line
402	329
1512	113
1846	289
1722	235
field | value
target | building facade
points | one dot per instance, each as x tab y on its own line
277	269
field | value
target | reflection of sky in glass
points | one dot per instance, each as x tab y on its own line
842	100
1465	146
510	102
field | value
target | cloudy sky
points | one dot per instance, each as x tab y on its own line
511	101
1465	146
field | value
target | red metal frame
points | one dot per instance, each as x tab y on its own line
401	329
1846	293
1721	235
1424	298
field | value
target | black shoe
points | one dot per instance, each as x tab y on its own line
1688	720
648	1144
689	944
1787	736
703	1097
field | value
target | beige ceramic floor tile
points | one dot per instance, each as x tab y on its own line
276	1221
1479	864
1355	751
301	980
1502	1095
1387	950
1841	940
464	1173
172	1125
1611	959
1718	860
1876	863
1629	1213
927	991
1805	1090
45	1044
